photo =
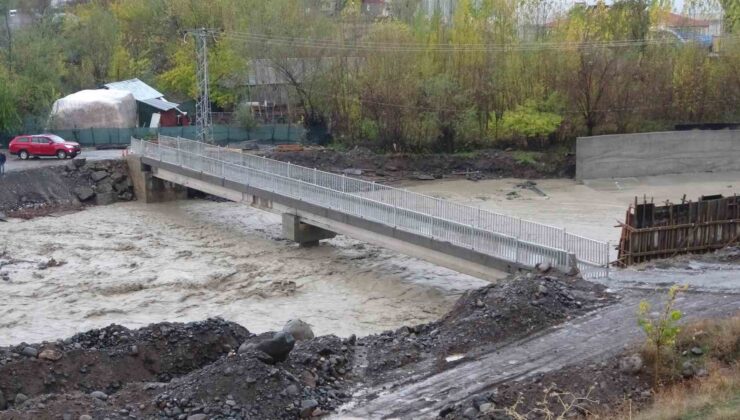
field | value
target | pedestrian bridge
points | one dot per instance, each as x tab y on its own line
317	205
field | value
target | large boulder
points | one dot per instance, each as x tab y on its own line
98	108
84	193
300	330
277	348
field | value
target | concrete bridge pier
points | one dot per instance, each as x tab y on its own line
306	235
150	189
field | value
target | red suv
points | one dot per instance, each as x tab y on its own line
43	145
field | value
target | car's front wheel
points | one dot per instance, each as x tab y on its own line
23	155
61	154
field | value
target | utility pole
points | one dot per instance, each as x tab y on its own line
203	125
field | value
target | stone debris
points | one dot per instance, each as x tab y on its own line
76	184
300	330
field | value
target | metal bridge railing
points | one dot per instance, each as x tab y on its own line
505	237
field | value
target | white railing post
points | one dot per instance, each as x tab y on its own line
565	240
519	228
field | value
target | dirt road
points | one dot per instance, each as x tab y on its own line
598	336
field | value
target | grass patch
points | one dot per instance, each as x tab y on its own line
466	155
715	397
526	158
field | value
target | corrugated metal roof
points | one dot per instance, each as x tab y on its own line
139	89
160	104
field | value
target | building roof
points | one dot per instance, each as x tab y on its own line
160	104
673	20
136	87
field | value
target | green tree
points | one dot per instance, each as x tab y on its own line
10	120
90	44
531	121
732	15
661	330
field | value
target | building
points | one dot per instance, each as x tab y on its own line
376	8
153	109
689	27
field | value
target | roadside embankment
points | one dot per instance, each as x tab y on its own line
78	183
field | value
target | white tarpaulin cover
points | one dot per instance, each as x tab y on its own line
100	108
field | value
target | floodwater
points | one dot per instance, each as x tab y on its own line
591	208
134	264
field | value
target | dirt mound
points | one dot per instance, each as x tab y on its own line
106	359
486	317
42	191
488	162
170	370
242	386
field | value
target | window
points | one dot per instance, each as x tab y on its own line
41	140
55	139
23	140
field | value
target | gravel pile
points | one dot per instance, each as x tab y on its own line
107	359
491	316
311	383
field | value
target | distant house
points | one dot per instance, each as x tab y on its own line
688	29
376	8
153	109
689	26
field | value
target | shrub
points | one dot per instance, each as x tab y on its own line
661	330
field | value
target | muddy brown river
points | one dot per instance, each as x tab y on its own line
134	264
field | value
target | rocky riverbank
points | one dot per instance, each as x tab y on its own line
475	166
78	183
219	370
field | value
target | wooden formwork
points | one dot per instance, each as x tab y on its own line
651	231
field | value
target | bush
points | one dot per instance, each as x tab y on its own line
661	330
245	117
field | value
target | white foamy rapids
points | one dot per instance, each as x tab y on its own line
135	264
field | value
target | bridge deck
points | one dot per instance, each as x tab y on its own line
507	240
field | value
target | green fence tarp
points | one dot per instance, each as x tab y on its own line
222	134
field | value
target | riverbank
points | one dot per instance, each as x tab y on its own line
66	186
167	370
482	164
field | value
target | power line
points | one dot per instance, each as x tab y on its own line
265	39
203	125
573	112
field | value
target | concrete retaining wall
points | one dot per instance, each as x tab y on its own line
671	152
